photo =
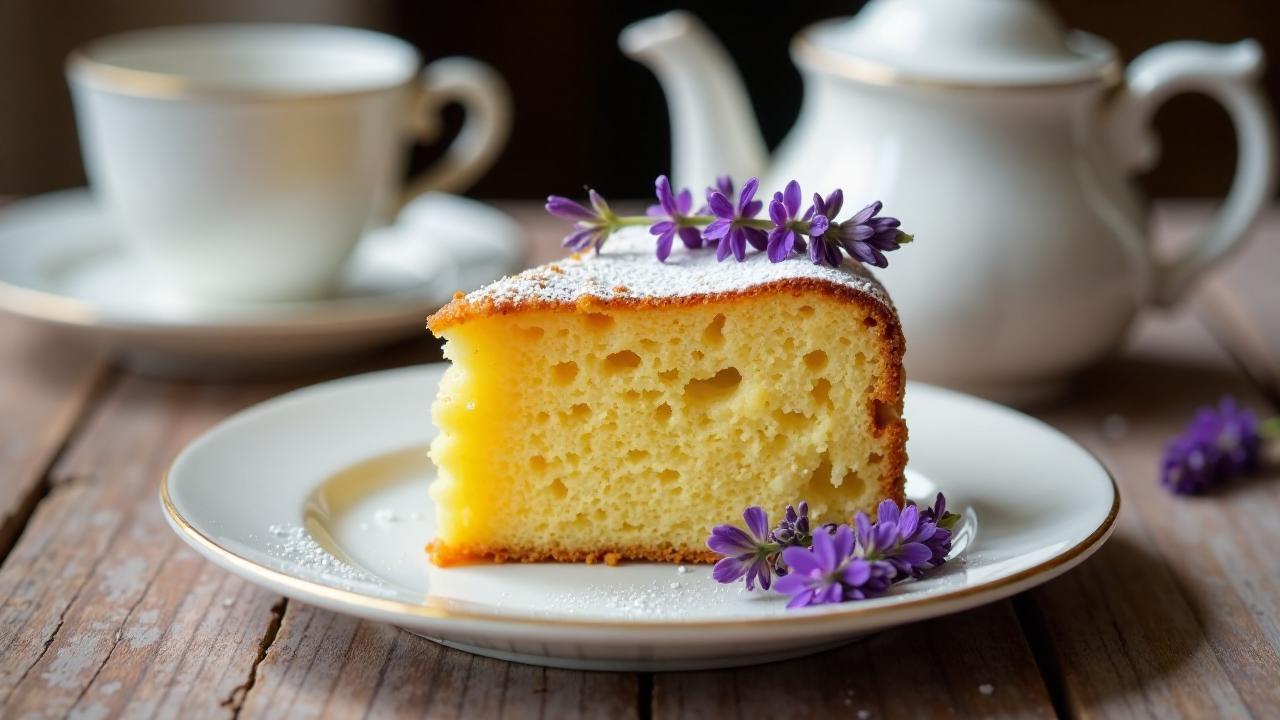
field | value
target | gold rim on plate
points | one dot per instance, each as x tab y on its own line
437	612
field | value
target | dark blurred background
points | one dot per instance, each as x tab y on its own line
584	113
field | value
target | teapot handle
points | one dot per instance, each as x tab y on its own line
1229	74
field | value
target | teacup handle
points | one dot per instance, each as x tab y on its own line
1229	74
484	96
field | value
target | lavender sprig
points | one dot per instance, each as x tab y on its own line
730	222
835	563
1219	444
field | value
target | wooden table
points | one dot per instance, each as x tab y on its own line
106	612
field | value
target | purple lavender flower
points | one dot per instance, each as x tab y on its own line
724	185
671	213
728	227
733	225
1217	445
793	529
591	226
866	237
745	554
824	248
913	552
939	543
830	572
785	239
834	563
939	514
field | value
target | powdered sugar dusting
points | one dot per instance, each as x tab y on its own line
627	269
296	551
655	600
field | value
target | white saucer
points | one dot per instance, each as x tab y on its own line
321	495
61	263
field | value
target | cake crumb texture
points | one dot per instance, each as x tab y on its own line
622	418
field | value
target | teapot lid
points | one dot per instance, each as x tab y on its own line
1005	43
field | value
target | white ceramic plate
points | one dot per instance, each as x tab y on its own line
62	263
321	495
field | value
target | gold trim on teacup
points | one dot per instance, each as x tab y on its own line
435	610
873	73
131	82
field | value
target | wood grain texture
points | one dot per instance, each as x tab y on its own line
327	665
45	387
912	671
104	609
1177	614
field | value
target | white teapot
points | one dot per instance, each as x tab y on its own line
1005	144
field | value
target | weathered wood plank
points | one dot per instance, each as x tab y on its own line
1176	615
975	664
104	609
327	665
44	388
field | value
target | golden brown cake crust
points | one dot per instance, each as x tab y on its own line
626	274
445	555
463	309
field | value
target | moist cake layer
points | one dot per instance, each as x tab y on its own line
601	409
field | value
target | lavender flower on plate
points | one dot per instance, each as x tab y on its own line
835	563
944	522
898	537
830	572
794	531
746	554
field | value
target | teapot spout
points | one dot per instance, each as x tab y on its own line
713	129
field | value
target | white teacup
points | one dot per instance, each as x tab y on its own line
243	162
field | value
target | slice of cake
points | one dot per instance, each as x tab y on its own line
610	407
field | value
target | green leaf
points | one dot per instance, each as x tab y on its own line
1270	429
949	520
